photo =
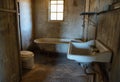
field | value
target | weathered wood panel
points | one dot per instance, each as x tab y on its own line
11	4
3	29
116	1
7	4
94	6
9	60
109	30
9	57
109	33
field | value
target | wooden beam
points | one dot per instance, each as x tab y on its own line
7	10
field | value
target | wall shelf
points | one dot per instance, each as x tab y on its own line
88	13
115	5
112	10
98	13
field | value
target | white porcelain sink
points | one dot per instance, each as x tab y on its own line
82	52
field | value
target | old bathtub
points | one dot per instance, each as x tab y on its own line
54	44
54	40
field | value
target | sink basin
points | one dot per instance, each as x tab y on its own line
82	52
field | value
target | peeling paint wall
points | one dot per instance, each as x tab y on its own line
71	27
26	24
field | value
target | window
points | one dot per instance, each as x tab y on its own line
56	8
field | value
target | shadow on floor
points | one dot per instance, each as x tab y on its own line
54	67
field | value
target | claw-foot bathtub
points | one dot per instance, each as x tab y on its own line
53	40
54	44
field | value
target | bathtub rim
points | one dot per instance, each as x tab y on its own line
55	40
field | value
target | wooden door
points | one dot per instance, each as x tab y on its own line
9	52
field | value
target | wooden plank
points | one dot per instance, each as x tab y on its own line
1	3
106	28
7	10
12	4
9	54
14	43
9	65
109	34
7	4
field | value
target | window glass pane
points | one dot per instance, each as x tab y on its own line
59	16
56	10
60	2
53	16
59	8
53	8
53	2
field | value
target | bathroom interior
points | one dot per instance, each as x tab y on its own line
70	40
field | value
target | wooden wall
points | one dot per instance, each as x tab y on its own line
107	30
91	20
9	57
109	34
116	1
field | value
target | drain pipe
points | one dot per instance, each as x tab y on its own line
85	67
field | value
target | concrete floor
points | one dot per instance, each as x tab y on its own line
55	68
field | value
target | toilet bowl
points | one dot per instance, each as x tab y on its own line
27	59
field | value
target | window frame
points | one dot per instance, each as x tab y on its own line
49	12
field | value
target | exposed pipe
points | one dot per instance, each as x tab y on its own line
85	67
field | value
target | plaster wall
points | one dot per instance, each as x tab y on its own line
71	27
26	25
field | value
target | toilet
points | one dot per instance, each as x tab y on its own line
27	59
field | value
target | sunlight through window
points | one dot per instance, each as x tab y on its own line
56	10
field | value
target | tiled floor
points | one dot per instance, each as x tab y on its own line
55	68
